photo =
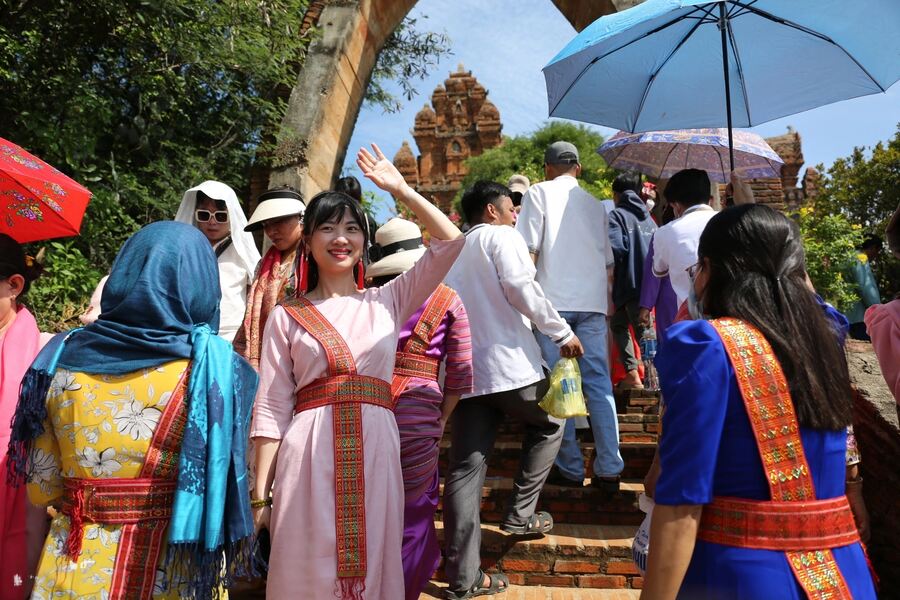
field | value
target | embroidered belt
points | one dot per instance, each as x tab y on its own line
770	408
344	389
785	526
415	365
114	501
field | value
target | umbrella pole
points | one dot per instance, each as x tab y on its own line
723	29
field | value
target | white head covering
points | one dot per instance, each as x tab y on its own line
242	241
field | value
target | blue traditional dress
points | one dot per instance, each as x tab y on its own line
708	450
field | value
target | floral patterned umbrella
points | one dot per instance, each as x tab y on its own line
661	154
37	202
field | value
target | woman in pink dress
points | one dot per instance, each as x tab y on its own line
19	344
326	437
437	333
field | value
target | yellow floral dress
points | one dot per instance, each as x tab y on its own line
97	427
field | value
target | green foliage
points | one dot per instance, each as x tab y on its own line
141	99
73	279
865	188
524	154
408	55
830	242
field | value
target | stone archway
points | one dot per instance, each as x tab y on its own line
326	99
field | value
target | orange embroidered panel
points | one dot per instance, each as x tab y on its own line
345	391
771	411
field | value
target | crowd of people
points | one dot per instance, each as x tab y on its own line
224	415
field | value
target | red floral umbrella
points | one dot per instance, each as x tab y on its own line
37	202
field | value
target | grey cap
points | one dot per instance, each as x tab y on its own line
559	153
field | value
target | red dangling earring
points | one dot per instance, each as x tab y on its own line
360	275
304	273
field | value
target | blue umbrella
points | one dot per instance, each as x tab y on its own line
679	64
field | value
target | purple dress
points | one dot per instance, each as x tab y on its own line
657	292
418	413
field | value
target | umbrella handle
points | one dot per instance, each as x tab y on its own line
723	28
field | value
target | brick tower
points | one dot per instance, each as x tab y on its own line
462	123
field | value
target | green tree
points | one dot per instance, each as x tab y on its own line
524	154
139	99
830	243
865	189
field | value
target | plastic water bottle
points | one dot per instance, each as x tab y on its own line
648	354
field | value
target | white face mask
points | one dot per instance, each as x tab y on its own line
695	304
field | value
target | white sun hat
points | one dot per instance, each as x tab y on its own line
399	244
275	204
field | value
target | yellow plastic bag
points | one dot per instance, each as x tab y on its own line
564	399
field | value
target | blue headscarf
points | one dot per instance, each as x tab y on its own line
161	303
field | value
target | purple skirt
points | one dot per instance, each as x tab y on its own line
421	551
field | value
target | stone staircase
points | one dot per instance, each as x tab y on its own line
587	556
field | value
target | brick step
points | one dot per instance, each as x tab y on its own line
633	427
567	505
518	592
573	556
504	460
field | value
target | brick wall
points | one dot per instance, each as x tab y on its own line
875	423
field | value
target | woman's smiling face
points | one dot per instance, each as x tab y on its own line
337	245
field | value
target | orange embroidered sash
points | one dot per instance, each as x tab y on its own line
143	505
412	360
345	390
745	523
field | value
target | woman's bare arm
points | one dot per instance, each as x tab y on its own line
673	533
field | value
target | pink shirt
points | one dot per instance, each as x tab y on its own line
883	325
369	322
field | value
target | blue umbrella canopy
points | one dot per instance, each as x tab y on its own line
661	154
660	64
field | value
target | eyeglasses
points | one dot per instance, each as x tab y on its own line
694	269
203	216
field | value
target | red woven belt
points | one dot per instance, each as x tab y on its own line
786	526
119	501
341	389
416	365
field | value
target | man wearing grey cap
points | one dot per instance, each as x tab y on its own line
565	229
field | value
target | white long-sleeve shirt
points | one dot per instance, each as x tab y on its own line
495	278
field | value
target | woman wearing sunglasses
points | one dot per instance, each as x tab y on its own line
213	208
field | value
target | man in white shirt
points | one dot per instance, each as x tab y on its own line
213	208
675	244
565	229
494	277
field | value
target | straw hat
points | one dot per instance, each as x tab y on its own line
275	204
399	244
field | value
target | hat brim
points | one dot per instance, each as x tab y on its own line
274	208
396	263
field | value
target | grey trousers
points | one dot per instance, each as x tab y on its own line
473	432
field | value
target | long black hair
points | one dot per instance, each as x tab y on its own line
757	273
329	206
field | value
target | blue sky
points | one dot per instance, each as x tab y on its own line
505	43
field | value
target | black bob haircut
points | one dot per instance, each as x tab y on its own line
628	180
479	196
688	187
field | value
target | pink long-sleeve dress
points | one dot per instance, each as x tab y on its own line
303	559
